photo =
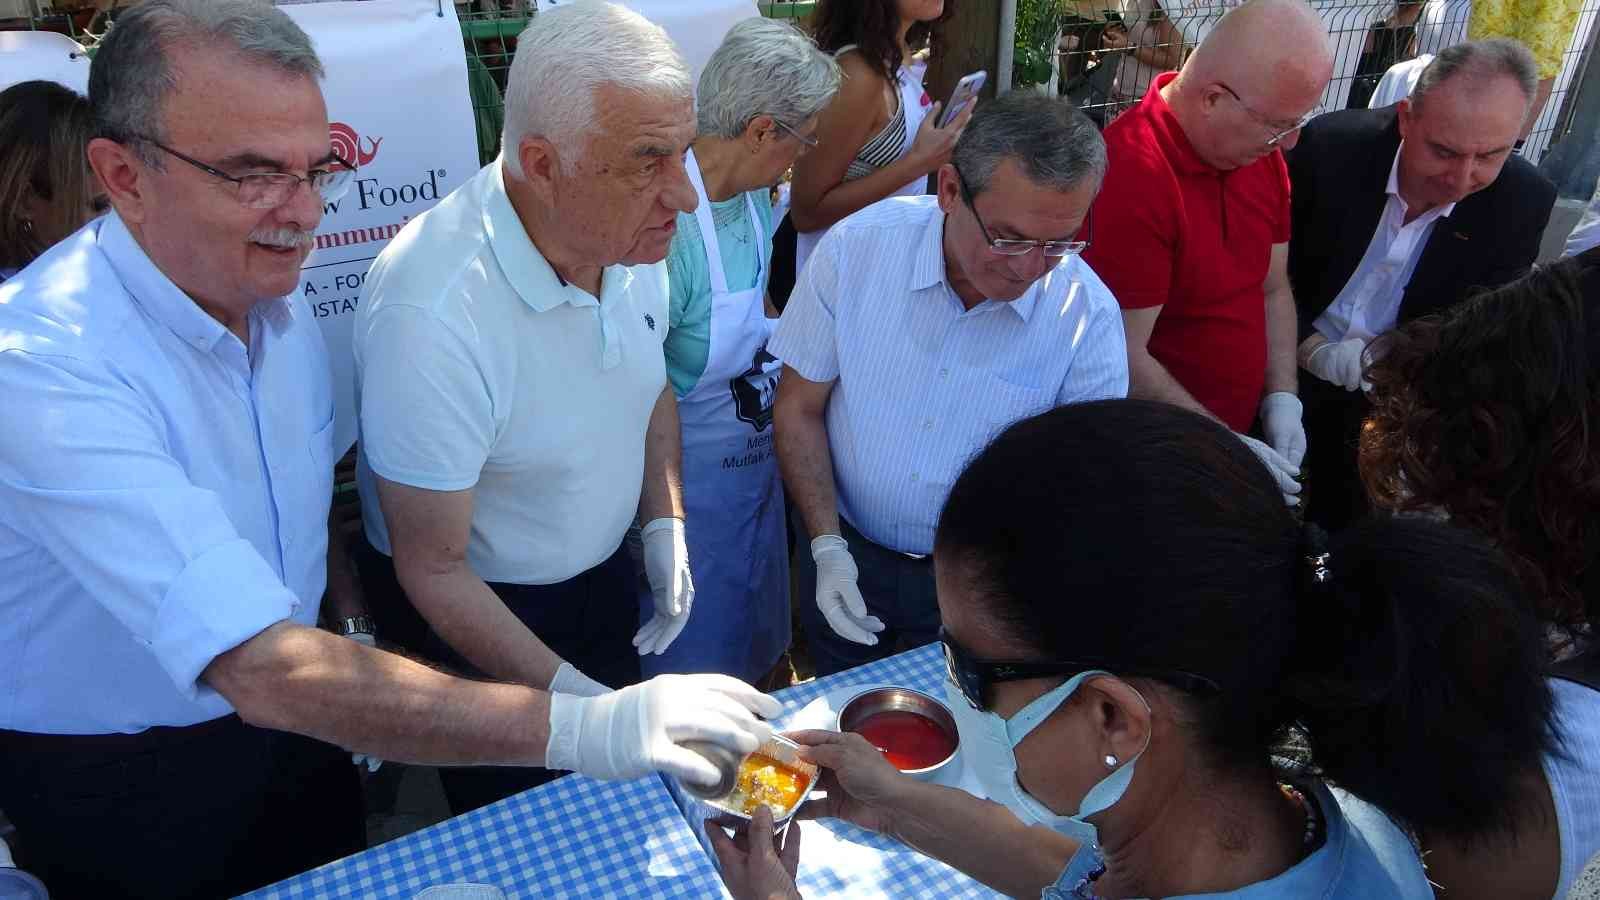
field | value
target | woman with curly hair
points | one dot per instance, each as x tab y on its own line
880	137
1485	416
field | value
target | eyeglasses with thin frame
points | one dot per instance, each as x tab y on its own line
1018	247
1267	123
270	190
976	677
807	140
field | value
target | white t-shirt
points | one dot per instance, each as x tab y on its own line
477	367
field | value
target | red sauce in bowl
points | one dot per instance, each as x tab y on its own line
908	740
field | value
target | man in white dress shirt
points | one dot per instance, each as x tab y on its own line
1446	208
920	329
511	382
165	481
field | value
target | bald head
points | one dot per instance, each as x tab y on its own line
1255	76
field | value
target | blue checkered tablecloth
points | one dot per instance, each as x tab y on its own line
841	860
574	837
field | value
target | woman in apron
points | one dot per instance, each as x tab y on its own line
758	102
881	139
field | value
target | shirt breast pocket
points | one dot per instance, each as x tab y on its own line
1005	402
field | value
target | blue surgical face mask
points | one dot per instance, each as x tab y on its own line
988	747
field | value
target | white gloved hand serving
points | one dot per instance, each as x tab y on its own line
1281	415
1340	363
569	680
838	597
636	730
666	566
1282	471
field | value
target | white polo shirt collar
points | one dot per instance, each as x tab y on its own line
536	281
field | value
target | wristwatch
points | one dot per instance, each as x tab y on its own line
354	625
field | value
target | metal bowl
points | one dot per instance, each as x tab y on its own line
897	699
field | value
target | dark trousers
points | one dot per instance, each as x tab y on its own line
1333	418
588	620
211	810
897	588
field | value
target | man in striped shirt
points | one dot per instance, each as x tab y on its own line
921	328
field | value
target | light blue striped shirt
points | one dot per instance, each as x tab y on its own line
922	383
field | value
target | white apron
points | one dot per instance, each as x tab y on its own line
912	94
732	495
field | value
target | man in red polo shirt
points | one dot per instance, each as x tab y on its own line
1192	226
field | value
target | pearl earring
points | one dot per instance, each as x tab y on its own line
1111	761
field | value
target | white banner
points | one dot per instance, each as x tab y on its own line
30	55
398	108
696	26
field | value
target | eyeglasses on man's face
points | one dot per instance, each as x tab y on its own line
1019	247
1276	130
270	190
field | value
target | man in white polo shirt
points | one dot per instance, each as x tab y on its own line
920	329
515	411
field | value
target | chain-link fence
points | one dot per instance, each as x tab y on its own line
1106	53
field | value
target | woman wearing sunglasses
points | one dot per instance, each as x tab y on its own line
1170	689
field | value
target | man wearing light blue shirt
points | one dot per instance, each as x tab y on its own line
165	482
920	329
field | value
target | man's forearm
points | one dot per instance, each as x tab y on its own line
981	838
1283	340
806	462
476	623
1148	379
662	494
307	681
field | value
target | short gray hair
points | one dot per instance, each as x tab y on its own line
565	55
1480	60
1056	145
132	74
763	67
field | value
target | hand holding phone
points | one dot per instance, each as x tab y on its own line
965	92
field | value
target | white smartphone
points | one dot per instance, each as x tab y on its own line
966	91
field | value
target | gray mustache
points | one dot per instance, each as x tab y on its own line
287	238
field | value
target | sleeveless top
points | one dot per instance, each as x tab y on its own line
887	145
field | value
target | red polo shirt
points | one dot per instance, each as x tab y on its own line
1171	231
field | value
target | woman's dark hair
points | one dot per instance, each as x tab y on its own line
43	129
1487	413
874	26
1152	538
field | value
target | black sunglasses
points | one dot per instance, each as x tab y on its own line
976	676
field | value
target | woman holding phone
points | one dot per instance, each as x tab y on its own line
881	137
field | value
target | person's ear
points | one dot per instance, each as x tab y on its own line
1407	115
949	189
125	178
541	165
760	133
1121	717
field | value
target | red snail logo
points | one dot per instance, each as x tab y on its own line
347	144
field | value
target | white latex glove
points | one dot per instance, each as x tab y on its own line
632	732
361	759
837	595
1281	414
666	565
1340	363
1280	468
569	680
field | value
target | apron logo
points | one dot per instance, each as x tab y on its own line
753	391
650	321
